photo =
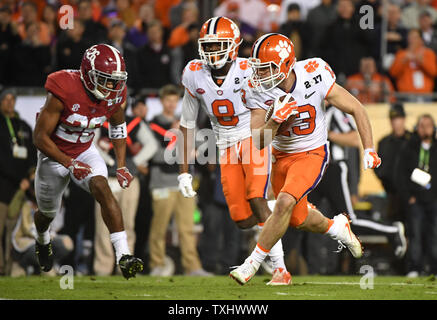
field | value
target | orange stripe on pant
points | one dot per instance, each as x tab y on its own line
298	174
244	176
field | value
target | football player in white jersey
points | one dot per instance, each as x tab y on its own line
287	99
214	83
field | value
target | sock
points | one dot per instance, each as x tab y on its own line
119	241
332	228
44	237
277	255
259	254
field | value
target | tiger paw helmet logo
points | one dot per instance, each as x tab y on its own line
311	66
283	49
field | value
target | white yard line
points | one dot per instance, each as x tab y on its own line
379	284
301	294
431	292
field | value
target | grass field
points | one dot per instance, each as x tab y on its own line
218	288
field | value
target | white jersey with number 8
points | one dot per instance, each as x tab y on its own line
223	104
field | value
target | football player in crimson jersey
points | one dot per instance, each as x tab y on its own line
213	83
79	102
293	94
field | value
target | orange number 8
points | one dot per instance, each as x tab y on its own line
227	118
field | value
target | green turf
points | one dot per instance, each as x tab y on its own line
217	288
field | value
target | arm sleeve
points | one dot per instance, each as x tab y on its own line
190	108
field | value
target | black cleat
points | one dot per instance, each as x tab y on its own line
44	255
130	265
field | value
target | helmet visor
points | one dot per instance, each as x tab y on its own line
108	83
215	52
265	75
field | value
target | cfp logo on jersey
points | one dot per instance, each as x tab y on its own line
220	92
75	107
114	101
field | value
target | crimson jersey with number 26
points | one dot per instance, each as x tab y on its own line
82	115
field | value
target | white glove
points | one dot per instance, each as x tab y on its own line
371	159
185	186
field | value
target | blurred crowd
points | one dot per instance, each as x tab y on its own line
378	52
388	57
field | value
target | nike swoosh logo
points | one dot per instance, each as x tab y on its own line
282	113
235	91
307	96
349	229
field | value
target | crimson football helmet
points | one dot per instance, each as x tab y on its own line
275	53
223	31
103	71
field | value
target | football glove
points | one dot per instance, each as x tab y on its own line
124	177
371	159
285	109
185	185
79	169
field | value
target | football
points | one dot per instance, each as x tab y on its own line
286	124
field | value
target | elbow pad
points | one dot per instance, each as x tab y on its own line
118	132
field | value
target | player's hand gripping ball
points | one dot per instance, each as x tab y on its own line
283	110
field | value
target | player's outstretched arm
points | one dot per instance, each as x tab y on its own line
347	139
190	107
346	102
118	135
45	125
184	149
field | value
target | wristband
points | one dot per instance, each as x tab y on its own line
118	131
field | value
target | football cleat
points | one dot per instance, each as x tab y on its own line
129	265
281	277
399	240
245	272
44	256
346	237
267	265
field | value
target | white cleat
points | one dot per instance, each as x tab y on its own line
400	242
346	237
245	272
281	277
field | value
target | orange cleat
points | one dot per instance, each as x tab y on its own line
281	277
